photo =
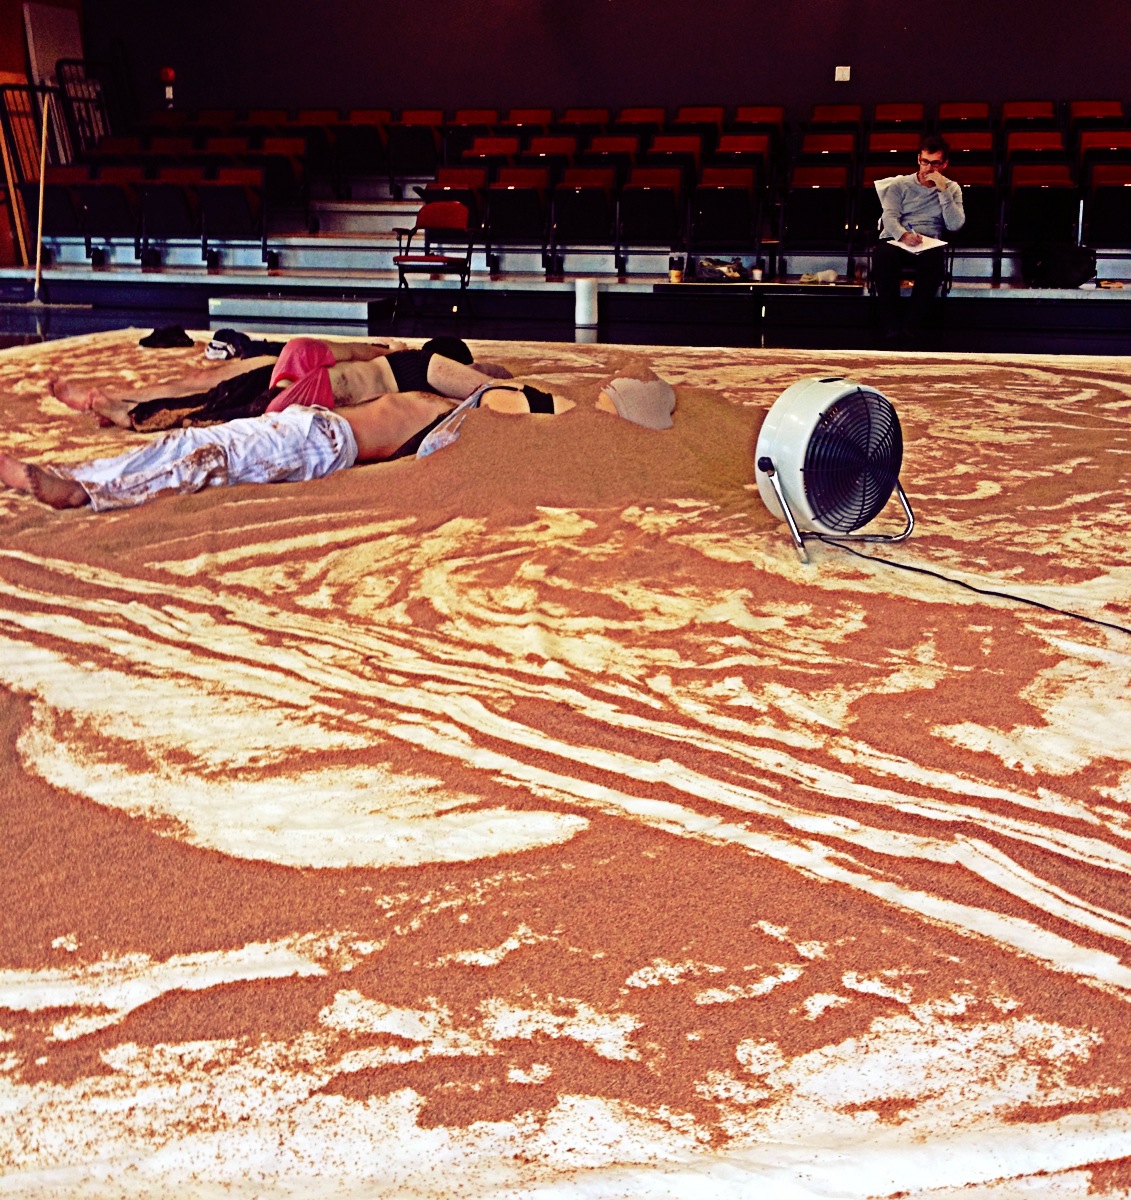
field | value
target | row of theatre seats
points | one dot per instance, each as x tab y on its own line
702	178
1040	172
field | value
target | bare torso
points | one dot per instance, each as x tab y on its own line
383	425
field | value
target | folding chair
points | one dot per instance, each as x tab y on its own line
446	222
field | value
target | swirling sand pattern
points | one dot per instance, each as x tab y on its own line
528	821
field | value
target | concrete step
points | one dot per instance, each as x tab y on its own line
350	253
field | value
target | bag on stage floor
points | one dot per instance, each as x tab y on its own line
1058	265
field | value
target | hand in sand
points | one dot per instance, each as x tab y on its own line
43	485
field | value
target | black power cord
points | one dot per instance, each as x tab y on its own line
831	541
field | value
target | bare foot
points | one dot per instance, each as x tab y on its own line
74	393
110	411
43	485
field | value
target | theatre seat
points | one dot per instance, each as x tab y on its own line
910	117
170	207
581	211
817	210
724	211
617	152
553	152
1042	204
1107	207
648	212
465	185
517	210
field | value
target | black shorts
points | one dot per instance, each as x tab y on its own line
410	370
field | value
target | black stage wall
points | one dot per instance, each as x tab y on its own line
503	53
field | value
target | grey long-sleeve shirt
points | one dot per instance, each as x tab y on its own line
907	204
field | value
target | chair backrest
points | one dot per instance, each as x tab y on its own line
972	174
466	177
614	144
700	114
1058	175
898	114
1095	110
423	116
245	177
828	143
589	177
836	114
893	143
448	215
585	116
1111	175
963	112
1021	111
819	177
1045	140
659	177
495	147
369	116
978	140
768	116
523	177
1092	140
266	116
476	116
677	143
744	143
646	115
318	116
530	116
564	144
727	177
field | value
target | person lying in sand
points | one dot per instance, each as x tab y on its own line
244	388
299	442
253	373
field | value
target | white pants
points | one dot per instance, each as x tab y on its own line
286	447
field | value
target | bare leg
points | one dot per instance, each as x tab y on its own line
111	411
80	395
453	379
43	485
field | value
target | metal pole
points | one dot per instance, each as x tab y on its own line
42	188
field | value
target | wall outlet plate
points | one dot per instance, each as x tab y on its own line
842	74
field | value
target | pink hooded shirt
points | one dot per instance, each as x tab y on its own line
303	364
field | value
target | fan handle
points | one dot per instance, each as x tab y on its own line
766	466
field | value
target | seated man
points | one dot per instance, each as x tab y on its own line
925	204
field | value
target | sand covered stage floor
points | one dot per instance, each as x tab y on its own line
528	822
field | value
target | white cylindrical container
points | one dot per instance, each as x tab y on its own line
585	304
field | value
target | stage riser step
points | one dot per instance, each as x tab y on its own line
315	254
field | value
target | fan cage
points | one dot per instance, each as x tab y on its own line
852	460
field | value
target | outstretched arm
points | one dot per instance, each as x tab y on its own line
82	395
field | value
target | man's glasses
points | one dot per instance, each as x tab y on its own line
931	162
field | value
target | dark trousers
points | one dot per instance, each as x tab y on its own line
245	395
889	266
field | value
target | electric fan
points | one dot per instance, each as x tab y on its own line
828	458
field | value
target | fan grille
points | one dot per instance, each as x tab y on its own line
852	461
